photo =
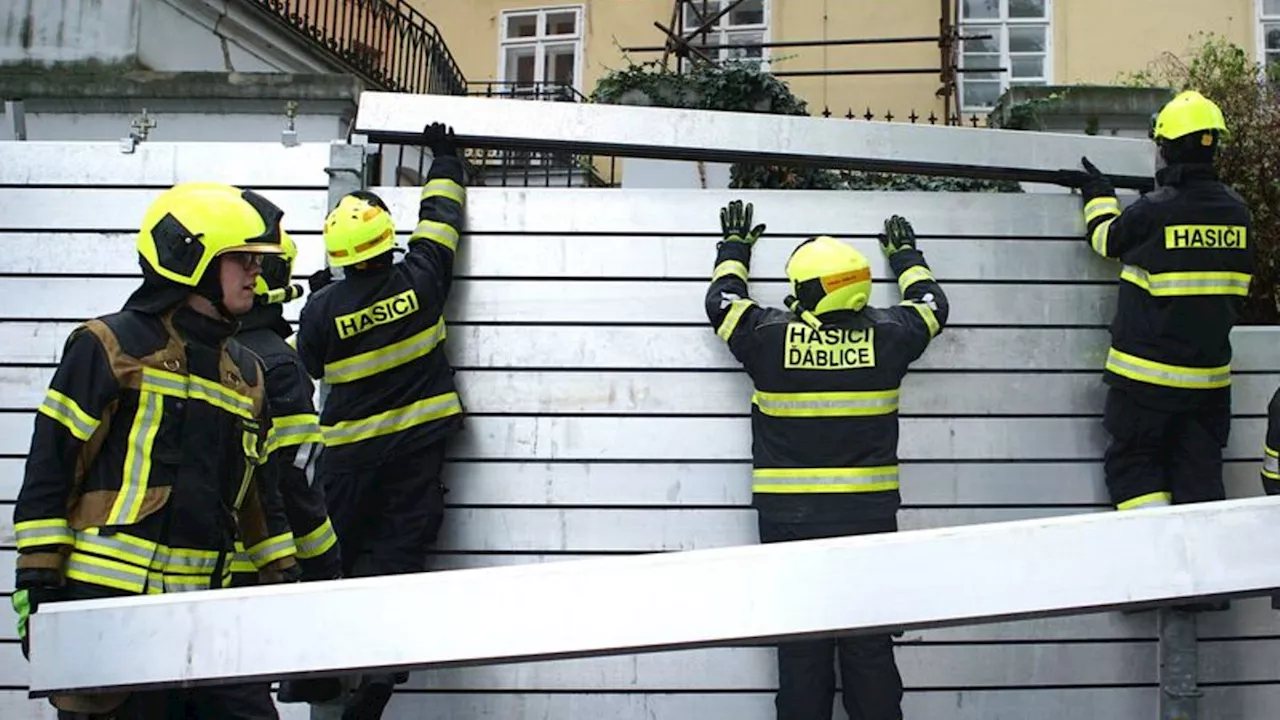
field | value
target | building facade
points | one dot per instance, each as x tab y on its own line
524	43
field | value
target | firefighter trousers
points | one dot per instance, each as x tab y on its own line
872	687
1157	457
390	512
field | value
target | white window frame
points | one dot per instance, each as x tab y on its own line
721	35
539	41
1263	19
1001	25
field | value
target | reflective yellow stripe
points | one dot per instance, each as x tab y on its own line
913	275
1099	238
219	396
272	549
290	430
318	541
730	322
137	460
368	364
730	267
392	421
163	382
439	232
241	562
926	314
146	554
36	533
1270	464
64	410
825	480
826	404
1175	376
444	187
1183	284
1155	499
109	573
1098	207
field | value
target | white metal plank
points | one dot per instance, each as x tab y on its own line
677	133
1054	566
1121	703
797	213
1248	617
696	348
729	393
604	256
716	484
120	210
161	164
610	301
931	666
683	348
646	438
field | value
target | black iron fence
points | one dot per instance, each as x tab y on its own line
912	117
387	43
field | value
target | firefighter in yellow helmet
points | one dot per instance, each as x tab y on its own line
141	478
376	339
1187	258
824	419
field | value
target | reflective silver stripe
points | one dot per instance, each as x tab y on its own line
444	187
177	560
220	396
135	553
439	232
827	404
1101	206
913	275
392	356
1099	239
1136	368
179	583
1271	464
134	578
730	267
272	549
1219	283
165	383
730	322
314	543
29	534
299	430
65	410
137	460
395	420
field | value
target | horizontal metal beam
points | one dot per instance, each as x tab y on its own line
681	134
982	573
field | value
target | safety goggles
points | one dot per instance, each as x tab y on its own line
246	260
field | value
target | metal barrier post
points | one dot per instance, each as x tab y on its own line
1179	694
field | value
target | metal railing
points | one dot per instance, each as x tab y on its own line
520	90
387	43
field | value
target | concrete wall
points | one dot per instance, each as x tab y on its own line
166	35
1094	41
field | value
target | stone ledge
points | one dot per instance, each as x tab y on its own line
93	81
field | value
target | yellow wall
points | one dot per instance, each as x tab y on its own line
1136	32
1094	41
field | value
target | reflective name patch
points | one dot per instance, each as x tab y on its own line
830	348
1207	237
379	313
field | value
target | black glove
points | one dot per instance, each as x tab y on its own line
1096	184
735	224
440	138
319	279
897	235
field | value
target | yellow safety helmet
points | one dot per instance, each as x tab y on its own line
358	229
827	275
273	284
1189	112
190	224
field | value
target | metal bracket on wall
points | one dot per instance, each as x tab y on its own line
142	126
16	112
289	136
